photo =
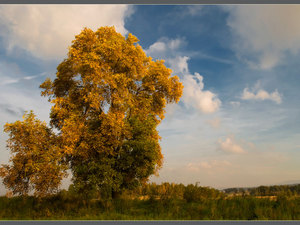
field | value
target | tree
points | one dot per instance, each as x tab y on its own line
108	99
36	158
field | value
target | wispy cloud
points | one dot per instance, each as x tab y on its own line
12	110
208	165
7	81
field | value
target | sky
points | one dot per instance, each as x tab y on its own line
237	123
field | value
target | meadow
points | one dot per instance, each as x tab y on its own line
159	202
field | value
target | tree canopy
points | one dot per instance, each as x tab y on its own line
108	98
36	158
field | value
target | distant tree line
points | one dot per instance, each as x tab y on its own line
274	190
164	191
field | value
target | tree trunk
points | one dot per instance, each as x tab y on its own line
116	194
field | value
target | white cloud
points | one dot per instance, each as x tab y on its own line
165	48
179	64
176	43
261	94
156	48
230	145
265	32
194	95
47	30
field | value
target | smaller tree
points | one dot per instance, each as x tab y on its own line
36	162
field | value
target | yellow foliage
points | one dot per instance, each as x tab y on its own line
109	97
35	163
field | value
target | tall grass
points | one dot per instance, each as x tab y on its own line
236	208
152	202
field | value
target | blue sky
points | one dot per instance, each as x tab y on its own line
237	123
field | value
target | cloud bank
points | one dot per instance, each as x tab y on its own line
47	30
265	32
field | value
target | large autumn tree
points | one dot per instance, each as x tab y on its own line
108	98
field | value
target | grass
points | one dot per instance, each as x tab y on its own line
71	208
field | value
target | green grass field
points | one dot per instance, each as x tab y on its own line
62	207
